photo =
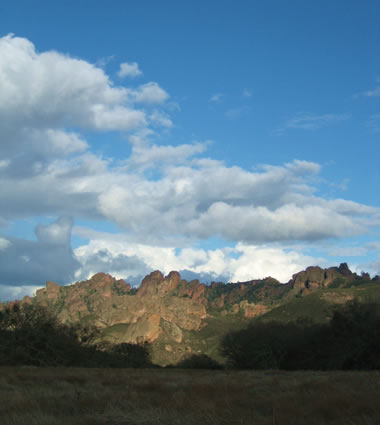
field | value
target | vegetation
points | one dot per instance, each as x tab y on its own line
277	392
66	396
32	335
199	361
350	340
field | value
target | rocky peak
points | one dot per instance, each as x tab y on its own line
315	277
52	286
52	289
102	283
344	270
157	285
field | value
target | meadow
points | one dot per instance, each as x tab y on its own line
90	396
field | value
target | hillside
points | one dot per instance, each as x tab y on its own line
178	317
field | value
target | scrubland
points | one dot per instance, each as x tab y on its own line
80	396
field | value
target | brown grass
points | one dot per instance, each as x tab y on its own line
68	396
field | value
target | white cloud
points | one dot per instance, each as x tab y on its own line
11	293
205	198
162	195
129	70
117	118
216	98
310	121
150	93
161	119
238	263
44	94
104	61
4	243
4	163
55	233
262	262
33	262
161	156
51	89
260	224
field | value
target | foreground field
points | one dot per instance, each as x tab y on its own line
65	396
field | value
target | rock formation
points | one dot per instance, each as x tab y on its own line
167	310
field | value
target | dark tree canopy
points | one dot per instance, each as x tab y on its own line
31	335
350	340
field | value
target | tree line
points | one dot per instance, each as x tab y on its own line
350	340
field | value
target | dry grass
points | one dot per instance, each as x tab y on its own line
68	396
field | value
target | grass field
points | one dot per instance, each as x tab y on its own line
63	396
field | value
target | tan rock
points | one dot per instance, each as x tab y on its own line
150	283
172	330
146	329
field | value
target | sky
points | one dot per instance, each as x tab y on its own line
228	140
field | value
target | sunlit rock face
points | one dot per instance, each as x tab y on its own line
156	285
316	277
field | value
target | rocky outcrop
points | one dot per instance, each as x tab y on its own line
145	329
250	310
166	310
155	285
315	277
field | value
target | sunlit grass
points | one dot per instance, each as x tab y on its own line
62	396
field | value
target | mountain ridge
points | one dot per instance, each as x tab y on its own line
175	316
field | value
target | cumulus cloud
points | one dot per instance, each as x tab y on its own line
44	95
162	156
30	263
46	167
118	264
50	89
161	119
231	264
4	243
129	70
150	93
206	198
163	196
57	233
260	224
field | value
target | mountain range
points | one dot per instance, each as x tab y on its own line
178	317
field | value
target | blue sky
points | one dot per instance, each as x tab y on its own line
232	140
